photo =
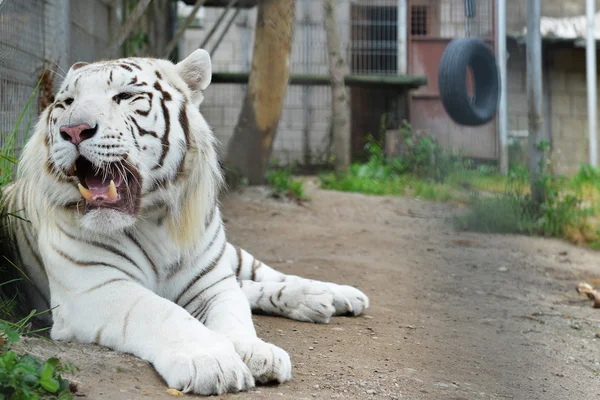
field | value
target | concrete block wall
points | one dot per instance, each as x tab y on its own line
565	109
570	145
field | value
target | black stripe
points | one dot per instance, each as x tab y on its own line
19	261
207	306
212	241
127	67
165	137
255	265
206	288
202	273
126	319
142	131
98	286
143	113
185	123
240	260
273	303
134	65
104	246
81	263
280	292
134	240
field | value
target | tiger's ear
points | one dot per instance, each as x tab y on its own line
77	65
196	71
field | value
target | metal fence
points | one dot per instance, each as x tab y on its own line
40	35
22	55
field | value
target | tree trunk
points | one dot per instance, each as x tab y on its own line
250	146
339	99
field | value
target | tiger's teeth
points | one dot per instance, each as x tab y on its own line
86	193
112	191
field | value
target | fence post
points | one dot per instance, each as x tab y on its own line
535	100
401	23
502	109
590	52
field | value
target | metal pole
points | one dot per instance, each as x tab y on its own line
503	106
590	53
128	25
535	99
401	22
216	24
224	32
188	21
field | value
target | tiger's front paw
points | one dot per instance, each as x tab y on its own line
348	300
206	371
308	302
267	362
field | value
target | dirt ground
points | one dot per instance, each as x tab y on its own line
452	316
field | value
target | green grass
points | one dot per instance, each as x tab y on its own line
27	377
495	203
282	183
22	376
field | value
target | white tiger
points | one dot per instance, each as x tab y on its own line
125	242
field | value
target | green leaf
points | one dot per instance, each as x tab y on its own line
12	336
51	385
47	372
53	362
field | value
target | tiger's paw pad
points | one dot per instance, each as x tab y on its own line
267	362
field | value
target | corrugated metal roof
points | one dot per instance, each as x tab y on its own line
567	28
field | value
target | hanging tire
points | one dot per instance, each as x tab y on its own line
458	56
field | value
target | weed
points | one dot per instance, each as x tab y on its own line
26	377
283	184
421	170
501	204
22	376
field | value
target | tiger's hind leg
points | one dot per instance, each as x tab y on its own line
272	292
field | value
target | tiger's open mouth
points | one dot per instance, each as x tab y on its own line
112	186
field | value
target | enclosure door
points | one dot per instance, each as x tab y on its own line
432	25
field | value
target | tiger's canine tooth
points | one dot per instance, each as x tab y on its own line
112	191
86	193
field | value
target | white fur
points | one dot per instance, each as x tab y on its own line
159	284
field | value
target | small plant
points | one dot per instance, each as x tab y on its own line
26	377
283	184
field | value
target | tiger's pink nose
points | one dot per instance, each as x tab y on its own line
78	133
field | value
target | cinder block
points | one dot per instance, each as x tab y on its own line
561	104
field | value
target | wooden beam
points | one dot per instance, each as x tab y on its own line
390	81
128	25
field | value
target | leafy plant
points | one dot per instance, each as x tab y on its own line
282	183
26	377
22	376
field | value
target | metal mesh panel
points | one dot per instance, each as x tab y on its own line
447	19
21	56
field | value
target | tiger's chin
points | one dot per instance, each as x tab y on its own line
105	221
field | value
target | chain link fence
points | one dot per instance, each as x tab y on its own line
50	35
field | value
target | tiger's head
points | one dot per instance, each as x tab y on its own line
126	137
